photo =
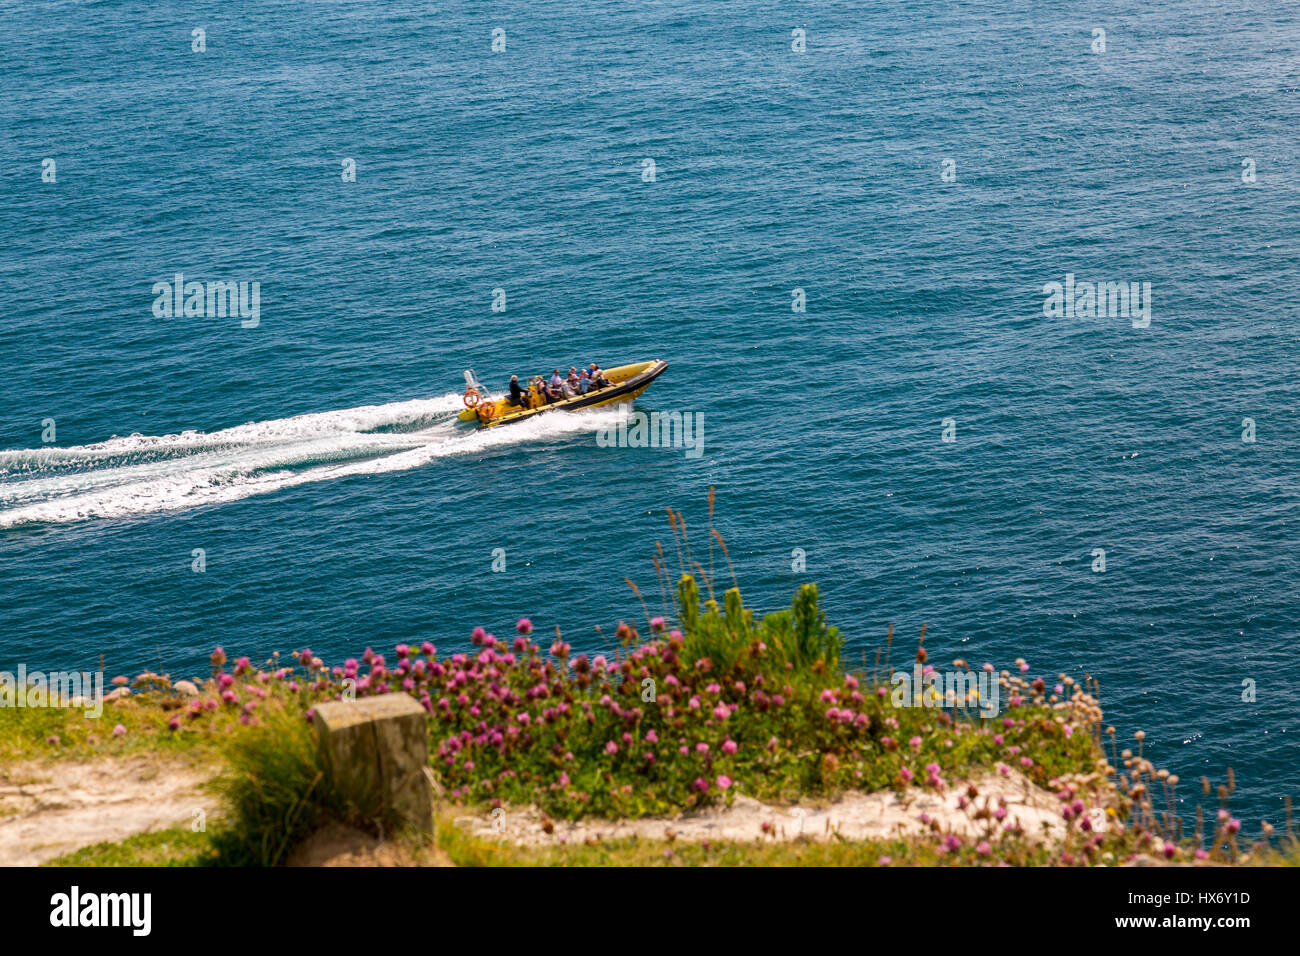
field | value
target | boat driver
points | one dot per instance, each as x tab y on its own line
516	392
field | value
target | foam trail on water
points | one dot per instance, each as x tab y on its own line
259	458
249	459
352	420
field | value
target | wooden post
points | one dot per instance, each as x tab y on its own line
378	752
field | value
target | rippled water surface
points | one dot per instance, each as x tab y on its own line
315	459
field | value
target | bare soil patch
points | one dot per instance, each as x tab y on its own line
49	809
337	845
855	816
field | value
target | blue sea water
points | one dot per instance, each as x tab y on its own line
338	506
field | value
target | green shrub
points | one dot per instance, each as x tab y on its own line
278	791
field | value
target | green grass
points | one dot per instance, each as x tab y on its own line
26	732
469	849
182	847
277	789
175	847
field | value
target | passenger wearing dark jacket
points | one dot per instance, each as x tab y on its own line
516	392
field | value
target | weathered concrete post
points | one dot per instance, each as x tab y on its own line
378	751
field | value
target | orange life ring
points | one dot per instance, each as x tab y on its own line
487	410
471	397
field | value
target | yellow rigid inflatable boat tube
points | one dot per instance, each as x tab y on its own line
626	383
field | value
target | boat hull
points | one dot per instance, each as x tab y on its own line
626	383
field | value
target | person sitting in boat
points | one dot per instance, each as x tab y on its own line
517	393
584	382
598	378
551	389
568	386
573	379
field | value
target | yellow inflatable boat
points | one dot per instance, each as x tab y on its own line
626	382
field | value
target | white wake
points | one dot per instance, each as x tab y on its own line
143	474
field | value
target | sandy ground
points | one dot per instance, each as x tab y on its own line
343	846
47	810
855	816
